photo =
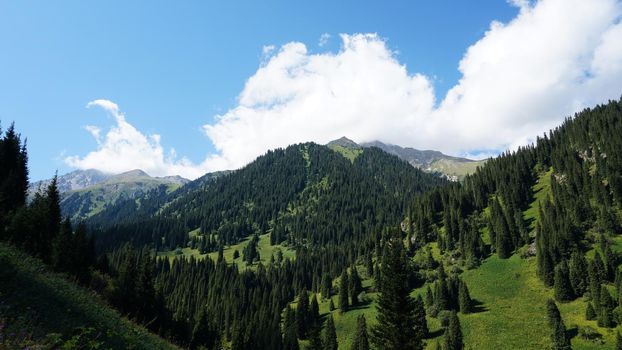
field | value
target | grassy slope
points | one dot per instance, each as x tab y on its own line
264	248
512	313
35	302
349	153
455	168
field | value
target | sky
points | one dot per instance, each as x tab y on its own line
185	88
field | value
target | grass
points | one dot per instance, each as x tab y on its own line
37	306
349	153
542	192
263	247
456	168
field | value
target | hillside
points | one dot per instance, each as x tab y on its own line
453	168
81	202
42	309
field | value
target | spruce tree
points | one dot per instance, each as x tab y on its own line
578	273
355	286
290	338
330	335
314	311
422	323
343	292
361	341
396	319
464	298
605	314
618	341
558	329
453	333
562	286
302	314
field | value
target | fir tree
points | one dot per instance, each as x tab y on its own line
290	339
395	329
578	273
562	286
302	314
464	298
360	341
330	335
605	314
453	333
558	329
355	286
618	341
343	292
422	323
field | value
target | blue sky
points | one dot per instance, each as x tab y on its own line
171	67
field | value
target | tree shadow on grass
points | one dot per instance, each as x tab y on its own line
478	306
436	333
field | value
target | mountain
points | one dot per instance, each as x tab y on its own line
85	193
75	180
454	168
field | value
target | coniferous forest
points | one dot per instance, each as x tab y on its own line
305	248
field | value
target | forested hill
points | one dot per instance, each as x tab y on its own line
304	194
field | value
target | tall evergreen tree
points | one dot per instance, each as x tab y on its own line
558	329
395	329
453	333
344	304
422	323
330	335
302	314
464	298
290	338
562	286
361	341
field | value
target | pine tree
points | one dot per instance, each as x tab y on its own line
464	298
326	286
355	286
453	333
578	273
605	314
361	341
314	311
302	314
422	323
343	292
395	329
618	341
558	329
562	286
203	334
330	335
290	339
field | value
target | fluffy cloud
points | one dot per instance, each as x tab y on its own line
124	148
520	79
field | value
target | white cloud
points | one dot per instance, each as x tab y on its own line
324	38
124	148
520	79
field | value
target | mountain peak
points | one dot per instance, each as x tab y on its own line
133	173
344	142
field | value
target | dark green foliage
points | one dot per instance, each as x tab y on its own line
330	335
559	339
361	338
13	174
464	298
563	288
250	253
396	319
203	333
453	333
290	340
421	322
578	273
343	292
303	315
326	286
355	286
618	341
590	313
607	304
